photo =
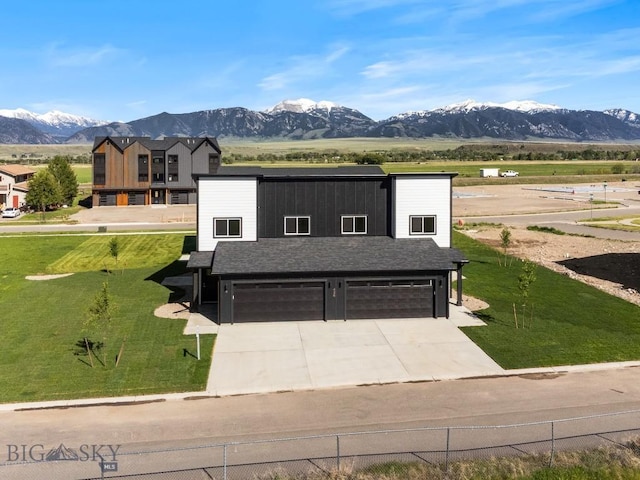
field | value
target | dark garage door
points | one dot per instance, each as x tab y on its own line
274	302
389	299
179	197
107	200
135	198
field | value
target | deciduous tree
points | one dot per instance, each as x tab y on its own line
44	191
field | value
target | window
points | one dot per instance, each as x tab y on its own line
354	224
99	169
157	168
422	225
214	162
297	225
173	168
143	168
227	227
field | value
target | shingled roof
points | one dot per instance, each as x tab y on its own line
333	254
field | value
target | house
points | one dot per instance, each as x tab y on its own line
142	171
14	185
323	243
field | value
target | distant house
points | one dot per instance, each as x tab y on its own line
142	171
14	186
321	243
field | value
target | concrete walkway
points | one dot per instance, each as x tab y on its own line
290	356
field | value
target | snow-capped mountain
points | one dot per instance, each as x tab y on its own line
526	106
306	119
301	105
55	123
626	116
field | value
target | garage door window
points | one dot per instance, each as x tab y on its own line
422	225
227	227
297	225
354	224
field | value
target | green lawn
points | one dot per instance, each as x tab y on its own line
43	320
573	323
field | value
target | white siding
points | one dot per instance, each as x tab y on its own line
226	197
416	195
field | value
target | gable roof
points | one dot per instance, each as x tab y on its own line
333	254
14	170
165	143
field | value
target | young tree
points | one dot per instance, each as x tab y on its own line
43	191
99	316
525	280
61	170
505	243
114	249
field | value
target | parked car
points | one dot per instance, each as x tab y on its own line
509	173
11	212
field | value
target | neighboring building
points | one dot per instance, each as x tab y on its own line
142	171
277	244
14	185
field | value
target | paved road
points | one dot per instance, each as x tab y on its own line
174	424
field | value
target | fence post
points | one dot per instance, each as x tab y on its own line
553	444
224	461
446	458
338	452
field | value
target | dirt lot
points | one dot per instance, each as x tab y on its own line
610	265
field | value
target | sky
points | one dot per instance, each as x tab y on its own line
124	60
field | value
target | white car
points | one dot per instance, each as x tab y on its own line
509	173
11	212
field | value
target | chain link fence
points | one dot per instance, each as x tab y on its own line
438	447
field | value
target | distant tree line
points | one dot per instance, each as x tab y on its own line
459	154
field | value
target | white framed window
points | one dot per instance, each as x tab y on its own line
297	225
422	225
227	227
353	224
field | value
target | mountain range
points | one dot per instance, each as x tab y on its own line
306	119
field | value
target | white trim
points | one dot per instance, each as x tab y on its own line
297	218
422	232
353	218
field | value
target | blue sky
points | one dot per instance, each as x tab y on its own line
124	60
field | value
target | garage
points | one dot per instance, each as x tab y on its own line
389	299
334	278
135	198
107	199
179	197
274	302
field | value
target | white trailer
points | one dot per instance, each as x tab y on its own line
489	172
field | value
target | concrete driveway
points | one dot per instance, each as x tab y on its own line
285	356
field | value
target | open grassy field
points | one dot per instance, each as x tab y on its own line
572	323
43	321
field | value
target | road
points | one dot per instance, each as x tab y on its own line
175	424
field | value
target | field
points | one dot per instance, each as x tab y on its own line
41	349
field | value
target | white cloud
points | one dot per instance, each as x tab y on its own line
303	68
59	56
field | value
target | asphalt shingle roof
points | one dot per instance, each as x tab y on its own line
200	260
314	171
332	254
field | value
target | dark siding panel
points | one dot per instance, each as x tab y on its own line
325	200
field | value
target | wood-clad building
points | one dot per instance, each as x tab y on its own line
142	171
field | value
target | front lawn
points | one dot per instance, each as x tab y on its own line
572	324
42	321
